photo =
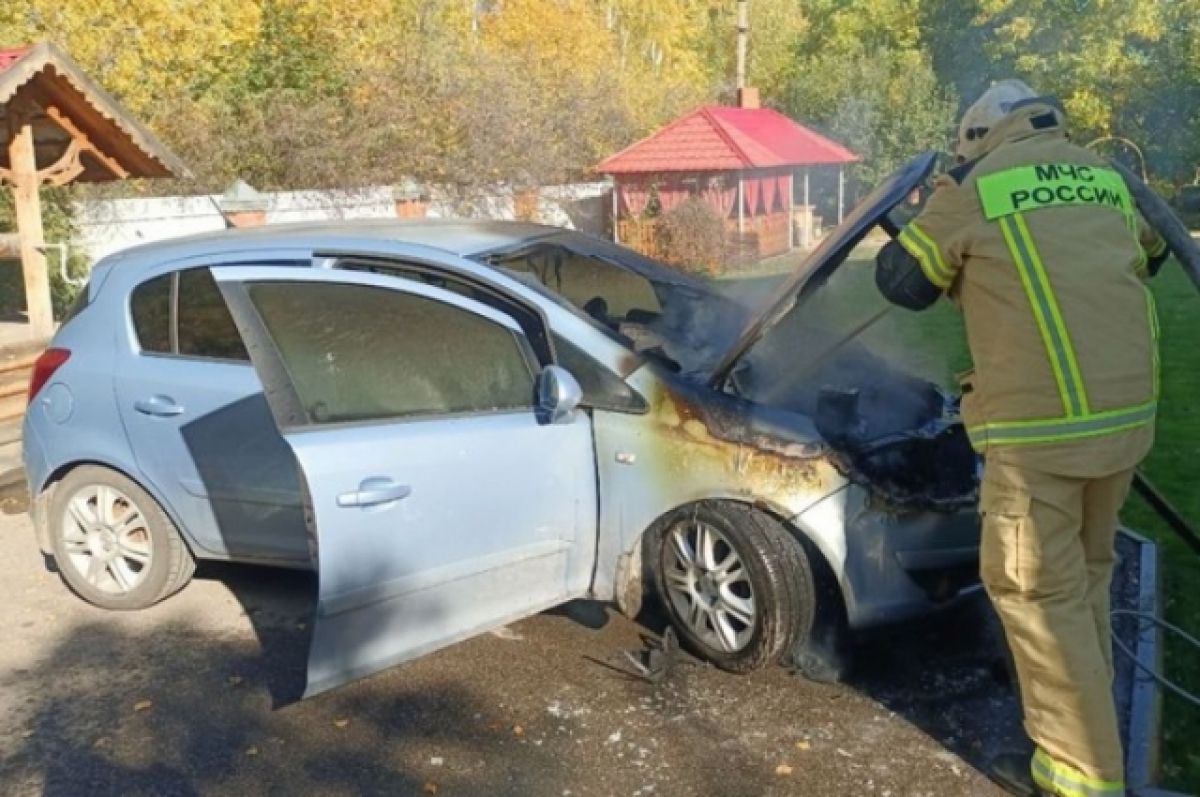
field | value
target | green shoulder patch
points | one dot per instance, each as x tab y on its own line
1027	188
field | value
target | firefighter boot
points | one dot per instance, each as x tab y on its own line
1011	772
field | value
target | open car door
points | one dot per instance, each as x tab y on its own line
439	503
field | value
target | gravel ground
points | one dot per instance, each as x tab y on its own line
192	697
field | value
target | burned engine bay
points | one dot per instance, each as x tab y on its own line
896	434
893	433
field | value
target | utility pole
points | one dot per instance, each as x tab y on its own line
743	33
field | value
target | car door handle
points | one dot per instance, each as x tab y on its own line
373	492
159	406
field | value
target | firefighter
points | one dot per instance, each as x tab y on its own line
1040	245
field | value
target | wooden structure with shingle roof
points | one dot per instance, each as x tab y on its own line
742	161
58	127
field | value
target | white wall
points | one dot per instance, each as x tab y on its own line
105	226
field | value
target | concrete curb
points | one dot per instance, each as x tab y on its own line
1145	705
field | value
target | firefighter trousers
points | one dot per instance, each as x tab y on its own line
1046	561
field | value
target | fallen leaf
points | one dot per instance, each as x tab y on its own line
251	751
437	761
504	632
518	730
431	788
301	626
234	680
143	705
783	769
804	745
341	722
101	742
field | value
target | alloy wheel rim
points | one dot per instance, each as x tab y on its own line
106	539
708	585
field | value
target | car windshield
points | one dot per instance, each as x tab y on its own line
679	320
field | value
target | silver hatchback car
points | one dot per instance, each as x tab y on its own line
459	424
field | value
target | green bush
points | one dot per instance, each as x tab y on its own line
693	237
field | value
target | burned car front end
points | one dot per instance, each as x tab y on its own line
900	532
767	403
893	518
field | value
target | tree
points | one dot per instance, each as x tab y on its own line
860	75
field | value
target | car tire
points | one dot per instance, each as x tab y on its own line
743	602
113	544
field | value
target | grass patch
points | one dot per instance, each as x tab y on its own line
1174	467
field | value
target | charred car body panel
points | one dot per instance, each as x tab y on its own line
676	414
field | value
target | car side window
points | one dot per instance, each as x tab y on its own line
206	328
359	353
184	313
150	306
611	295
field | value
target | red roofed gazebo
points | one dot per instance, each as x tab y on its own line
742	161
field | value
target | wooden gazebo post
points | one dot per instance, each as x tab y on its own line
22	174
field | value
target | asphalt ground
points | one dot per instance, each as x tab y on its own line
196	696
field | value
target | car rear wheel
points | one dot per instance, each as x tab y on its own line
735	583
113	544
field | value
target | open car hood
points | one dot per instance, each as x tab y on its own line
822	262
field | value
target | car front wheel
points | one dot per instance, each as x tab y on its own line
735	583
113	544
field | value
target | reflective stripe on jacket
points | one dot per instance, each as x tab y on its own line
1041	245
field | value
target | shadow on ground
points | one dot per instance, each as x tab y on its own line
176	710
947	675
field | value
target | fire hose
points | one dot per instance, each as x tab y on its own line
1159	215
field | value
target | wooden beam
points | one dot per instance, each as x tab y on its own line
65	169
78	135
107	137
27	204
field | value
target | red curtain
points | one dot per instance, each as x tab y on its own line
720	195
768	194
751	188
783	184
671	193
635	195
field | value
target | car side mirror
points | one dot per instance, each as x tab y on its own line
558	395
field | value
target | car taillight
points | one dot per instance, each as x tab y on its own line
44	368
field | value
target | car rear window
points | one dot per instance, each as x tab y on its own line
151	309
206	328
190	304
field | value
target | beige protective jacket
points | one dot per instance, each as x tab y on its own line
1043	249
